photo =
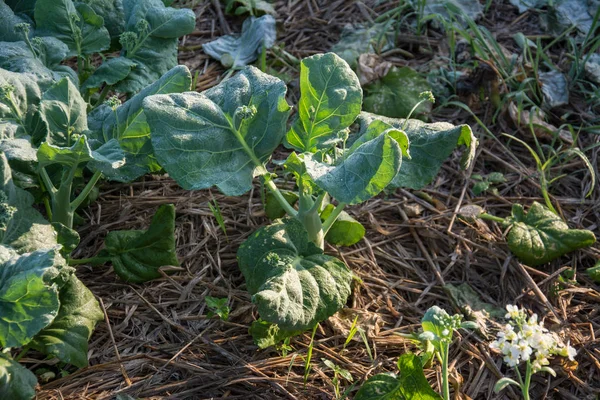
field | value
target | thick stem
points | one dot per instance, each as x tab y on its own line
492	218
103	94
86	191
282	201
61	202
90	261
527	381
445	383
333	217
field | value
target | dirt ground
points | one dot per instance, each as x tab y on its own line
158	343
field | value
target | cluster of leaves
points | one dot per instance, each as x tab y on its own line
229	133
57	140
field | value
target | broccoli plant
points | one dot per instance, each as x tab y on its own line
226	135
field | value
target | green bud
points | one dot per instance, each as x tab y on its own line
428	95
113	102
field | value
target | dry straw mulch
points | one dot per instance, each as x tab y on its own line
158	343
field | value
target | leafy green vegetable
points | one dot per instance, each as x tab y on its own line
430	145
410	385
541	236
150	40
345	231
110	72
358	39
68	238
217	306
28	295
75	24
219	137
17	92
267	334
137	255
112	13
16	381
273	209
8	22
330	101
22	158
67	336
238	51
128	125
594	272
396	94
292	282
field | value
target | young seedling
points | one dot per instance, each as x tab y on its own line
337	373
217	306
525	340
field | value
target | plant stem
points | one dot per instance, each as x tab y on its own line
103	94
445	383
492	218
333	217
91	261
282	201
86	191
48	182
527	382
22	353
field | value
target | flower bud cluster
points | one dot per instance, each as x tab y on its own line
525	339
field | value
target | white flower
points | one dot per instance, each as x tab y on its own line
513	311
445	332
567	351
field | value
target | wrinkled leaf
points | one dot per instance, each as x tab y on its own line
194	136
238	51
397	93
137	255
16	381
112	13
291	281
28	295
253	7
555	88
467	299
360	39
76	25
8	20
68	238
132	130
154	51
67	336
22	227
345	231
22	158
330	101
410	385
363	174
430	146
20	91
267	334
540	236
64	111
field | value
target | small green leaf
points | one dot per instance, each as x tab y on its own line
410	385
430	146
397	93
540	236
28	295
76	25
273	208
480	187
64	110
496	177
239	7
504	382
137	255
217	137
363	174
330	101
291	281
267	334
67	336
345	231
218	306
433	321
594	272
16	381
238	51
66	237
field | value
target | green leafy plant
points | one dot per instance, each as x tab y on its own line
229	133
252	7
539	236
337	373
487	182
411	384
594	272
217	306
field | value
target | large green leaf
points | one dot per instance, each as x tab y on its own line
219	136
430	146
238	51
410	385
150	40
28	295
22	158
8	20
137	255
112	13
67	336
22	6
345	231
75	24
110	72
291	281
16	381
541	236
129	127
22	227
64	110
18	91
364	173
396	94
330	101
